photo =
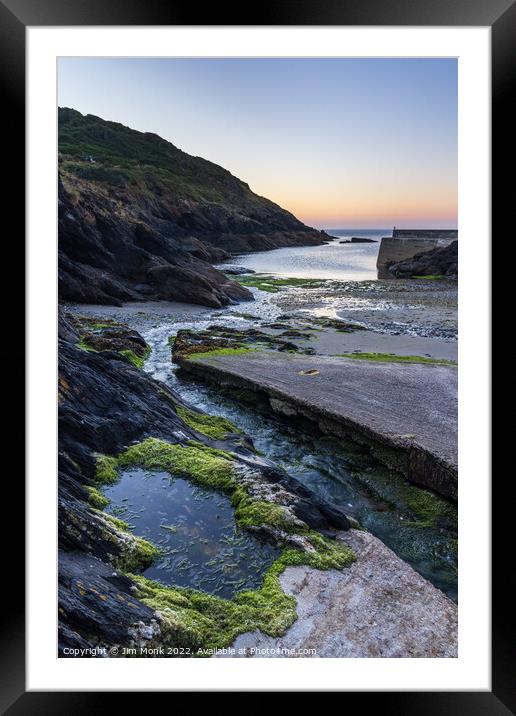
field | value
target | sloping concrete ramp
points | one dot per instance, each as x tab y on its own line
406	413
378	607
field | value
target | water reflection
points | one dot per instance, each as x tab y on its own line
201	546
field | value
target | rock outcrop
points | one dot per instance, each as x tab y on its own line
107	404
139	219
358	240
379	607
441	261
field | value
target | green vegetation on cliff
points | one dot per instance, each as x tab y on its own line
174	214
112	154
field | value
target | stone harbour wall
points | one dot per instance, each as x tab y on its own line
397	248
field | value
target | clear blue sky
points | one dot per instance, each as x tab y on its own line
339	142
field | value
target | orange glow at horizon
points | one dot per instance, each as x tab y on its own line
385	205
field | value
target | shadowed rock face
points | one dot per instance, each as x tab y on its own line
441	261
140	219
105	405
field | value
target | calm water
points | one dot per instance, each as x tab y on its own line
334	469
344	262
201	546
339	472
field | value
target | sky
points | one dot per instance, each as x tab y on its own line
339	142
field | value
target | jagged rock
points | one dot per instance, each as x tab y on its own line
441	261
105	405
178	283
96	605
214	337
358	240
145	220
236	270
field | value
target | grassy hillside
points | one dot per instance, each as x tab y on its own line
139	219
124	156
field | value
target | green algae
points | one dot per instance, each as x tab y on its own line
215	352
421	507
338	324
96	498
127	353
116	522
273	284
106	469
432	510
203	623
84	345
97	326
136	553
94	324
139	555
207	466
100	325
391	358
210	425
431	277
192	619
255	513
134	358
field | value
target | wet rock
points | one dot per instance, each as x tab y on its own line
379	607
236	270
191	285
375	404
215	337
105	405
359	240
116	340
441	261
336	323
96	606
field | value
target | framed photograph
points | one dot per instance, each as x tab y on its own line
258	266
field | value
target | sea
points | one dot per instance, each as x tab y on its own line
335	260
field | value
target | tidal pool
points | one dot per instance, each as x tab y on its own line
336	470
201	545
340	472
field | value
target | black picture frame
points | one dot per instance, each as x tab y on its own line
15	17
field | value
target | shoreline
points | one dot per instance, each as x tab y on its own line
320	328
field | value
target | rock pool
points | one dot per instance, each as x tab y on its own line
194	528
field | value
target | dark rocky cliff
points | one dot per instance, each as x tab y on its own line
139	219
106	404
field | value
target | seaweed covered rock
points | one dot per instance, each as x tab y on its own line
188	341
111	336
112	416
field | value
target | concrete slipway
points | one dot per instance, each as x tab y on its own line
406	413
